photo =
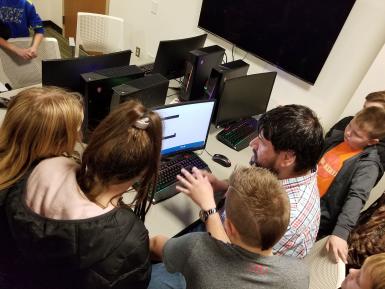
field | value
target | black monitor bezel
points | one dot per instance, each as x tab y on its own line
188	103
220	103
168	49
49	65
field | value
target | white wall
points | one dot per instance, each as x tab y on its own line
374	80
355	49
50	10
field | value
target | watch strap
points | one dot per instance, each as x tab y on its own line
204	215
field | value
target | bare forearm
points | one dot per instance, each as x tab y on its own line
5	44
37	38
156	246
215	227
221	185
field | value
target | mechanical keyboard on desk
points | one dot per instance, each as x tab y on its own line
169	169
238	135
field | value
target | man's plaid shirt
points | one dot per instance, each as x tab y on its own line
304	216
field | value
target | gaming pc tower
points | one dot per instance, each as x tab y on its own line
97	91
150	90
198	68
219	75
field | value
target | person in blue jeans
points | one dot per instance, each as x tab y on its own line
16	18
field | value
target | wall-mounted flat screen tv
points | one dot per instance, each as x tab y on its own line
294	35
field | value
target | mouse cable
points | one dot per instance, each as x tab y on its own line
208	153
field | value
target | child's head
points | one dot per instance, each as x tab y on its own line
376	98
366	128
124	148
39	123
370	276
257	206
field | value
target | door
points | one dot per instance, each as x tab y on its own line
72	7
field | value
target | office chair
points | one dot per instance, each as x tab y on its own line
324	274
20	73
98	34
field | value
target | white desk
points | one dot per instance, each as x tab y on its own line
172	215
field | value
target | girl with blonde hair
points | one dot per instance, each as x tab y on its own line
39	123
71	227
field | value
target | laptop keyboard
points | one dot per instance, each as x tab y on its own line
165	187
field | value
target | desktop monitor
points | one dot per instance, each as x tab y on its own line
150	90
185	126
244	97
66	72
172	54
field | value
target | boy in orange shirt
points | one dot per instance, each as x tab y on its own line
348	170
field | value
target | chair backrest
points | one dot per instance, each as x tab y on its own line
324	274
99	33
21	73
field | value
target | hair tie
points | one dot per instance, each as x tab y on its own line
142	123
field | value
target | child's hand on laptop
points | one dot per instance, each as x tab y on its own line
197	187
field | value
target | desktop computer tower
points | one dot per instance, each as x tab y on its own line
219	75
150	90
198	68
97	92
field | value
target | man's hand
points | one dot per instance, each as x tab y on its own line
337	248
197	187
218	185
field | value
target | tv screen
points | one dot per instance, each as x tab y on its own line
295	35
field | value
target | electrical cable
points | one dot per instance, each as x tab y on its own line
208	153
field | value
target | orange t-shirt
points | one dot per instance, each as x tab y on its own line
331	163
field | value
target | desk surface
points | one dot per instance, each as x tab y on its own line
174	214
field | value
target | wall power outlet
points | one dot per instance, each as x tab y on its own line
137	51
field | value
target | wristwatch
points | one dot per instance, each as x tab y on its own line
204	215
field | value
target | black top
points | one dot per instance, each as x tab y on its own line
107	251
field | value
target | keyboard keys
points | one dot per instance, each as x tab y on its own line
238	135
165	187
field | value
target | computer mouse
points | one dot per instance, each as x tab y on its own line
222	160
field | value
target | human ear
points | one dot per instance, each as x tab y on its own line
287	158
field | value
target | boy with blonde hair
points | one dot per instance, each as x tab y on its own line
347	171
370	276
238	255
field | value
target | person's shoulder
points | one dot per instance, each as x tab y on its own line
293	270
125	218
56	163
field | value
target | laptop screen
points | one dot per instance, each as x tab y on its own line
185	126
